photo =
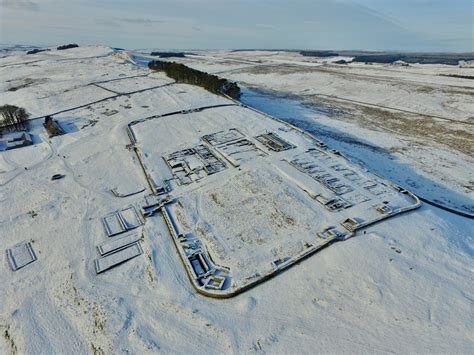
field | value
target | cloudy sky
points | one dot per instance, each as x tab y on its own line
425	25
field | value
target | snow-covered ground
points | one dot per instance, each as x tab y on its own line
403	285
260	208
427	168
415	118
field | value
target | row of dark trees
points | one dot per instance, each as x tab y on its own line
60	48
412	58
13	118
169	54
67	46
183	74
38	50
319	53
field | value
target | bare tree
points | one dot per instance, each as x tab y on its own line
14	117
21	116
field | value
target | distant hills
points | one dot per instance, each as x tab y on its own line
384	57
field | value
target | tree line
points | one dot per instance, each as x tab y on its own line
169	54
183	74
14	118
67	46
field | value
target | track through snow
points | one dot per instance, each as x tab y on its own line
38	323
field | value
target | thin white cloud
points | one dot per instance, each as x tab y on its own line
106	22
266	26
142	21
20	5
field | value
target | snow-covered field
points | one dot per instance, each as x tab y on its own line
403	285
260	210
416	117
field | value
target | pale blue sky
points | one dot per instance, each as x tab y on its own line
424	25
